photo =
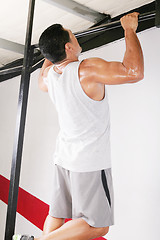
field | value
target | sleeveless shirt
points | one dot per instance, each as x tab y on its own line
83	142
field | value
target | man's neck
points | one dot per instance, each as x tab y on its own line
58	68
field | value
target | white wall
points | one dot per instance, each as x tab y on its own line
135	137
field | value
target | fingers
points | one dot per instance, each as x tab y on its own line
130	21
134	14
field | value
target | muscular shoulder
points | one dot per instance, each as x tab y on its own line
92	62
88	77
92	68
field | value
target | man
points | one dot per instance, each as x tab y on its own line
83	188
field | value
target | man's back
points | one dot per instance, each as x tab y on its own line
84	122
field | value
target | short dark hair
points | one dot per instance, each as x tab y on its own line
52	43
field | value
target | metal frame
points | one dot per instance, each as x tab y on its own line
90	38
96	36
20	126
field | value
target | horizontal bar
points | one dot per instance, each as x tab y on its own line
11	46
78	9
112	25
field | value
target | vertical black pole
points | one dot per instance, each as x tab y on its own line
20	126
157	20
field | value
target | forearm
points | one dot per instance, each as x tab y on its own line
133	58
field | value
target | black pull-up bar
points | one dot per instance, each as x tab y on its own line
112	25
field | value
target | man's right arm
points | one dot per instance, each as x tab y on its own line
133	58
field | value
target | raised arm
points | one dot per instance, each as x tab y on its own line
133	58
43	73
131	69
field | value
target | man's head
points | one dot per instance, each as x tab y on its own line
58	44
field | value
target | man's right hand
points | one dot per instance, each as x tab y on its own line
130	21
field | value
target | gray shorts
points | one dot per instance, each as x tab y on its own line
86	195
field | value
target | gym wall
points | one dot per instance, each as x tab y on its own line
135	137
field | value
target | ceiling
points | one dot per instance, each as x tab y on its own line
13	20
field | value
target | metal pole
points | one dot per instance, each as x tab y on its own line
20	125
157	20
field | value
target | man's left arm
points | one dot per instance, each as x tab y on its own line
43	74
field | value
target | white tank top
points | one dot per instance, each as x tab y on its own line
83	142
